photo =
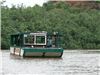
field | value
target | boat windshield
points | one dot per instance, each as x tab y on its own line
34	40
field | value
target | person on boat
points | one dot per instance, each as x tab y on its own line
49	42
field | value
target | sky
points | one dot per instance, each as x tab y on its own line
26	3
31	3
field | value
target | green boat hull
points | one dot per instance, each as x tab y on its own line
37	52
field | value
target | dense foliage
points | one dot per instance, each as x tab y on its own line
80	27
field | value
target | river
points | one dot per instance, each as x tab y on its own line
73	62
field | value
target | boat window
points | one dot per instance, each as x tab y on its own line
40	39
29	39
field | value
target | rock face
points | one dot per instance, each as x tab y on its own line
89	4
86	4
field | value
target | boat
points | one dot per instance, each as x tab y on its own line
36	44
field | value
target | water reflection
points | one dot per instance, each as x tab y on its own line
71	63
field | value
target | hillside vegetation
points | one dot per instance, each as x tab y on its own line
80	27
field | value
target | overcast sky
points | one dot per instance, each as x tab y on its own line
9	3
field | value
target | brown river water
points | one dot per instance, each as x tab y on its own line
73	62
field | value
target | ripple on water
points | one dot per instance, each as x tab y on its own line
69	64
